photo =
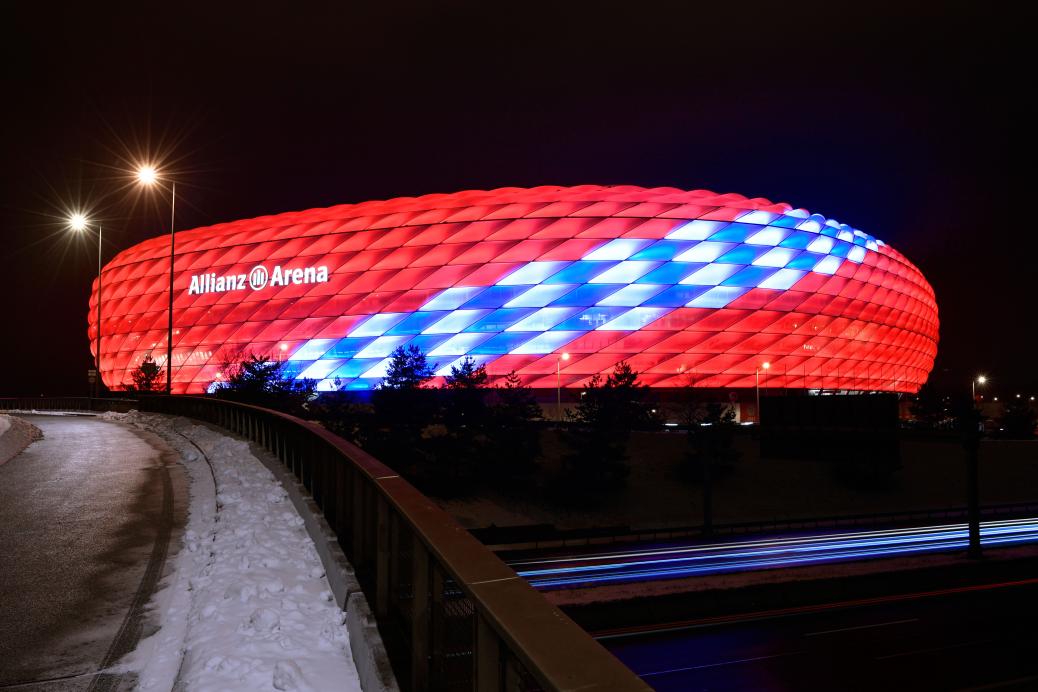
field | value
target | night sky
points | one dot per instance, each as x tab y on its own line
906	121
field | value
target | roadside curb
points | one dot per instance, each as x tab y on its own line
17	438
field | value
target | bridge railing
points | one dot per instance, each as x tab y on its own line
66	403
452	614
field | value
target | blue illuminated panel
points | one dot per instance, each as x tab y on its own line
621	284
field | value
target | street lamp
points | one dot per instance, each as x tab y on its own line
765	365
148	176
79	223
558	382
971	443
980	379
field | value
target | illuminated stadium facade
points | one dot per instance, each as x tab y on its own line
688	287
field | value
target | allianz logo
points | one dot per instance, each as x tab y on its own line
257	279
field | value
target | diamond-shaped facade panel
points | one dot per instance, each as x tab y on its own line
686	286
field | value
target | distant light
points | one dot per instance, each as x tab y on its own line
565	356
766	365
147	175
284	347
1017	396
670	425
996	398
77	222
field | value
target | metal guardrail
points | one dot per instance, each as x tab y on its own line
509	539
66	403
452	614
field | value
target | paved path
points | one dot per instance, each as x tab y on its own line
87	515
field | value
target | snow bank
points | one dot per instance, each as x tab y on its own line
247	606
15	435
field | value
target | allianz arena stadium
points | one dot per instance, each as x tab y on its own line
689	287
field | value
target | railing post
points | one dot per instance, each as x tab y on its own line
342	498
486	657
382	558
358	520
420	618
437	622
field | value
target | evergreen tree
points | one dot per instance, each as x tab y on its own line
408	369
710	451
146	375
403	409
463	450
605	415
466	395
514	436
262	381
1018	420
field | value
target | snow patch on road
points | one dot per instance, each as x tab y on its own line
15	435
247	606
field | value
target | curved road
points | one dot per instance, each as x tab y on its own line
87	516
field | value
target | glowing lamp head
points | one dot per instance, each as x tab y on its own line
565	356
147	175
981	379
765	365
77	222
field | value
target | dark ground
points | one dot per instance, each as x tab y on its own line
932	476
978	637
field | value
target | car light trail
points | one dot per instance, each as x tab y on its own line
720	558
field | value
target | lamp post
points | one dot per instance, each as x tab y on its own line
79	223
765	365
149	177
971	442
979	379
558	383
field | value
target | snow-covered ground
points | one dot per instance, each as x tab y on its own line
247	605
15	435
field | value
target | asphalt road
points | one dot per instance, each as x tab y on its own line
984	638
87	515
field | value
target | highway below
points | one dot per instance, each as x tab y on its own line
673	561
981	637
